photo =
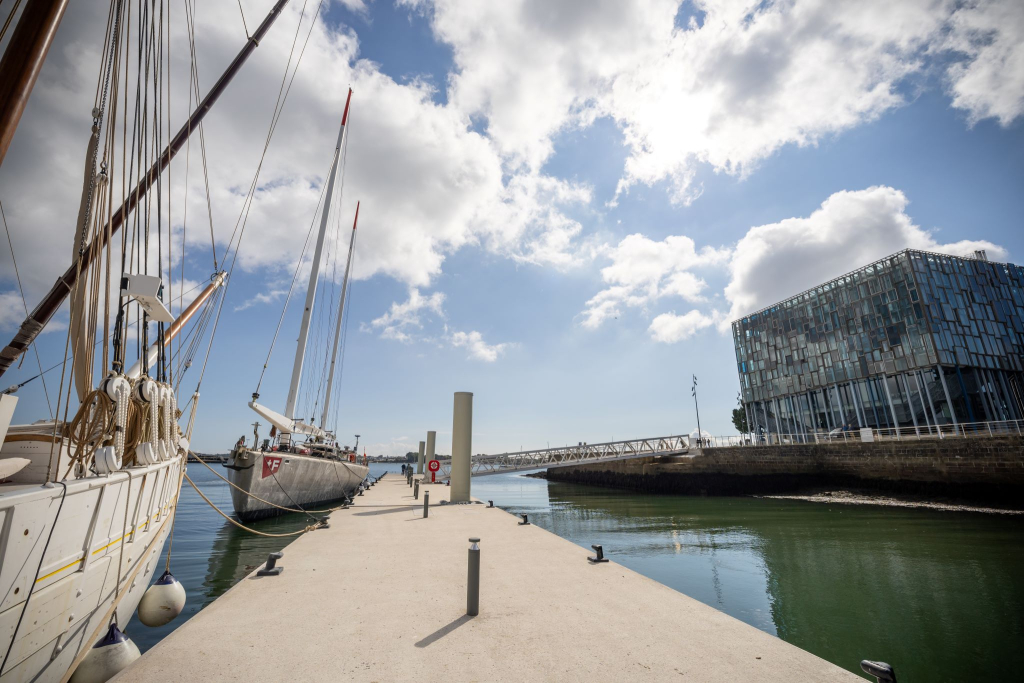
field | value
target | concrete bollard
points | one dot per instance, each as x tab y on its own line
426	503
416	490
429	455
419	459
462	446
473	582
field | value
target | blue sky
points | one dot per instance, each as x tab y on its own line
563	208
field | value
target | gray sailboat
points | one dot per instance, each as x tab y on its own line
301	464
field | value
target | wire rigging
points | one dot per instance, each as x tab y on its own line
21	290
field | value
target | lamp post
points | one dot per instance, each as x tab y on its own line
693	390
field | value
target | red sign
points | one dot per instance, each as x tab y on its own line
434	465
270	465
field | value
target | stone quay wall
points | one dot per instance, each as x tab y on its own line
981	469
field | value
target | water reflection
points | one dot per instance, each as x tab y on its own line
938	595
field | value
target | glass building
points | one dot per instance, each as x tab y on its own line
914	340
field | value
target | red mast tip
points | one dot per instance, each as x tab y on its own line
348	100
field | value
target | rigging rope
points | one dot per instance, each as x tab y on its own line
291	287
247	205
10	18
21	290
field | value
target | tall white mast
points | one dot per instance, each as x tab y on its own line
300	351
337	326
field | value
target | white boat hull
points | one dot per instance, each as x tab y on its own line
105	546
288	480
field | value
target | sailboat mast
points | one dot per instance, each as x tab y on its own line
314	275
23	60
337	326
42	313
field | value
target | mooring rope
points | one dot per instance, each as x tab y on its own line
238	524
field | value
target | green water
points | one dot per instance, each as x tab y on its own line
937	595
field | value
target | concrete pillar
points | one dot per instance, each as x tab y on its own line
910	401
431	437
419	460
923	381
892	409
462	446
945	391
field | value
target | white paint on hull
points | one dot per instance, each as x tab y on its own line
302	480
92	550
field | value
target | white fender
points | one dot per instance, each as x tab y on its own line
162	602
106	658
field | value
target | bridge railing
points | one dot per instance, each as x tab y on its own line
957	431
580	453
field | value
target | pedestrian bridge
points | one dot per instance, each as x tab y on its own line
581	454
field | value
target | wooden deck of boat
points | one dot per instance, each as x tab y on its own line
381	596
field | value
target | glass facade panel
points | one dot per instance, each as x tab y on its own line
914	340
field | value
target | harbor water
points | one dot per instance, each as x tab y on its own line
938	595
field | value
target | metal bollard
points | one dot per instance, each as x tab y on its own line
599	549
490	503
426	503
526	520
882	672
416	490
473	584
272	569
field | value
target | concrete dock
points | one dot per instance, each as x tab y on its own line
381	596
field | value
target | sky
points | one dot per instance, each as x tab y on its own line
563	204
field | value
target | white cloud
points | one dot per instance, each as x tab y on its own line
643	271
990	83
261	298
851	229
770	262
670	328
727	90
740	80
12	311
479	349
429	185
403	317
